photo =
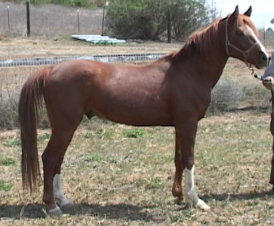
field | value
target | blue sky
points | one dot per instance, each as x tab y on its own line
263	10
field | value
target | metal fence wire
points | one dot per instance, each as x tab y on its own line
102	58
49	20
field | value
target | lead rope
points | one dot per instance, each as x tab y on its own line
252	72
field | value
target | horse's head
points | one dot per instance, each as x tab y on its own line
242	39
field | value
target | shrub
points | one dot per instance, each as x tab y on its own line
225	96
8	109
147	19
187	17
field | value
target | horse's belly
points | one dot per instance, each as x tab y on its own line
137	116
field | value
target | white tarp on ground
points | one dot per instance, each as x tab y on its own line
98	39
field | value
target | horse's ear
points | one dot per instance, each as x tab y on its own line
236	11
248	12
233	17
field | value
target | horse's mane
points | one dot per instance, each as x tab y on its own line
198	41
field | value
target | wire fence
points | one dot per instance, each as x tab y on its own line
102	58
49	20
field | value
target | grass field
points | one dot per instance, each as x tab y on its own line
115	174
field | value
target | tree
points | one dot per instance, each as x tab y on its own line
187	16
147	19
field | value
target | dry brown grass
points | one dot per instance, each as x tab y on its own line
113	178
32	47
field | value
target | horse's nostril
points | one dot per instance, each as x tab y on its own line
264	57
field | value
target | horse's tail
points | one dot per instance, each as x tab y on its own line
29	104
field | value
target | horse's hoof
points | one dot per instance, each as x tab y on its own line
62	202
202	205
178	200
271	192
55	212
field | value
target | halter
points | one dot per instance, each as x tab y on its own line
228	44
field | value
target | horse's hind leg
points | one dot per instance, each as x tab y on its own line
59	196
52	160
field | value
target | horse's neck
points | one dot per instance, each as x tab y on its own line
209	63
211	67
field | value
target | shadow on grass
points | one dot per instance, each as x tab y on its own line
237	197
112	211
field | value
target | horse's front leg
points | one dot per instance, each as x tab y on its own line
186	134
177	184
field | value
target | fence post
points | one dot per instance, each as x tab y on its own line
8	11
103	20
168	26
28	18
78	20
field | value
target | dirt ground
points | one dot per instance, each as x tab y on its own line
27	47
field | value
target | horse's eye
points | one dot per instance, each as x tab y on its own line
241	34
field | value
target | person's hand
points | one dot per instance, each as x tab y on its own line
268	82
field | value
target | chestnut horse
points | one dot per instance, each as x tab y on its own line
172	91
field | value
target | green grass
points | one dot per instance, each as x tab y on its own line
6	161
154	183
5	186
12	142
93	158
116	179
44	136
133	133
